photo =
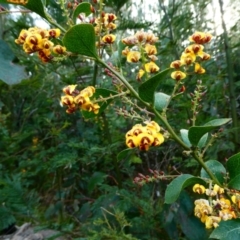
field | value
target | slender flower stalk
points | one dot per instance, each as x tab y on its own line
195	153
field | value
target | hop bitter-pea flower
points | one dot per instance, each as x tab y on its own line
144	137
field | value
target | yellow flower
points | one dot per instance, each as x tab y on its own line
200	37
82	100
58	49
144	137
218	189
110	17
22	36
178	75
153	125
109	38
158	139
111	26
150	49
212	221
205	56
200	189
151	67
202	209
188	58
33	39
88	91
133	56
45	43
23	2
140	36
66	100
132	40
176	64
227	214
70	89
125	51
151	38
54	33
146	141
141	72
45	55
195	48
199	69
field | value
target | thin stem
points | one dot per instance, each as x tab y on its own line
208	144
54	23
111	97
170	130
195	153
124	81
135	94
171	97
15	11
94	81
209	172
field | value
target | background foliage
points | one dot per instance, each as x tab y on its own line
62	171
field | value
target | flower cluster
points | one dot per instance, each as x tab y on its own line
75	99
144	137
142	49
214	211
38	40
193	55
104	26
23	2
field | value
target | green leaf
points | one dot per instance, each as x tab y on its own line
161	100
184	135
235	183
226	230
178	184
216	168
96	178
135	159
10	73
125	153
100	92
195	133
191	226
6	218
233	165
147	89
203	140
81	39
33	5
83	7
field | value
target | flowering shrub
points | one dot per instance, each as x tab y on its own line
142	100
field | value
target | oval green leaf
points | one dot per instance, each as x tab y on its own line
216	168
195	133
178	184
233	165
161	100
148	88
235	183
81	39
100	93
33	5
7	66
184	136
203	140
124	153
83	7
227	230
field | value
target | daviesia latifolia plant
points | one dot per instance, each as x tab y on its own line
91	33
